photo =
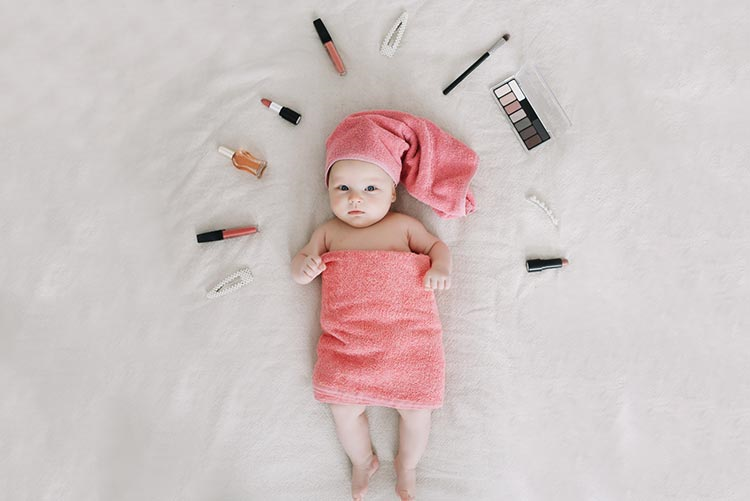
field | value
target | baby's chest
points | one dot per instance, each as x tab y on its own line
374	239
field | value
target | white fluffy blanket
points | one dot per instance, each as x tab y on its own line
623	376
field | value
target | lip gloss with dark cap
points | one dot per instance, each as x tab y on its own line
213	236
545	264
325	38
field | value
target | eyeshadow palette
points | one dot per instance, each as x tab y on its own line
533	110
522	115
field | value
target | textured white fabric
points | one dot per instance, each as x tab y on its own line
622	376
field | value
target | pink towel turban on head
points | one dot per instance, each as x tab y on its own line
434	167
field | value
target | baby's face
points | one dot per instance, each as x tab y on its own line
360	193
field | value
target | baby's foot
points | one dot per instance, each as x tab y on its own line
406	481
361	477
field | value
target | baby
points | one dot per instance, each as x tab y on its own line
366	156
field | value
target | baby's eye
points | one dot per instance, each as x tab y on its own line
370	188
344	187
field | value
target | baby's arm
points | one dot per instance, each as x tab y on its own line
307	264
422	241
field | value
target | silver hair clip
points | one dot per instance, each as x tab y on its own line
393	38
231	283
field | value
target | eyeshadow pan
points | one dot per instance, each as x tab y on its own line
501	91
533	141
527	132
523	124
507	98
512	107
526	105
515	117
540	129
516	90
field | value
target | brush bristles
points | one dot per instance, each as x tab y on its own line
506	37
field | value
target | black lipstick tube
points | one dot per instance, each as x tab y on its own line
545	264
290	115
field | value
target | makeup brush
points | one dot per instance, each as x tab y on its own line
479	61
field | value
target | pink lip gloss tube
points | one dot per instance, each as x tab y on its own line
212	236
325	38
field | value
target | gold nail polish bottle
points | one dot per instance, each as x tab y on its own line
244	160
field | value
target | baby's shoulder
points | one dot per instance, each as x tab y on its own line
332	229
333	225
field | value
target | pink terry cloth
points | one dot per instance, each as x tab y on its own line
435	167
382	338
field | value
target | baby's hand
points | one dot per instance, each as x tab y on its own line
313	266
436	278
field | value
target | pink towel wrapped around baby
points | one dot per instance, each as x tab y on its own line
382	338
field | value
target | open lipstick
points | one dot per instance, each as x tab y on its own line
325	38
212	236
287	114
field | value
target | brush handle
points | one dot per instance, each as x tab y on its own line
465	73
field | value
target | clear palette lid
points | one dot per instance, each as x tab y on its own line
543	100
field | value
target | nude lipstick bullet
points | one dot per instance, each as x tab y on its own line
325	39
213	236
287	114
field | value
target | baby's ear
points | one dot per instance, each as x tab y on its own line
393	196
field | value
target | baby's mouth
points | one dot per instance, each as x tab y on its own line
355	212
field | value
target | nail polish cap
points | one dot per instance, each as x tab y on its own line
226	152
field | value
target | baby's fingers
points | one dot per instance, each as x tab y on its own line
439	283
429	282
316	263
310	272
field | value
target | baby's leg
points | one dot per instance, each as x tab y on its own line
354	435
414	430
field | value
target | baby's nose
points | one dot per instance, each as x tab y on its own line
354	198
